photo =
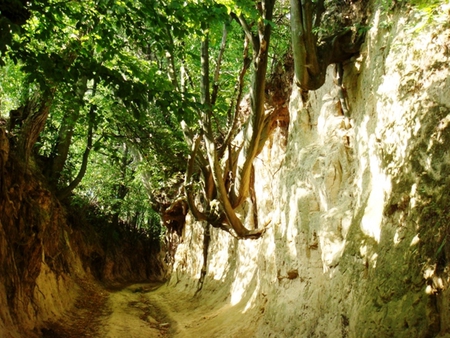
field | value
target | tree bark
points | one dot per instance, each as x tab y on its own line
65	134
219	63
33	125
257	120
122	189
311	60
65	192
227	183
308	70
199	216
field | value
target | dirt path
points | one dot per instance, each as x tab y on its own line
162	311
132	314
152	310
86	317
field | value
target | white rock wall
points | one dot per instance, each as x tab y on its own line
355	207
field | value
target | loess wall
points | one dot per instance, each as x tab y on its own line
49	256
356	207
36	255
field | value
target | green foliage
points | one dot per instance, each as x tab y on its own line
121	46
123	75
425	5
100	188
14	13
12	89
427	10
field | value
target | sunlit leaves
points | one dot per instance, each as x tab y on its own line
239	7
11	89
144	58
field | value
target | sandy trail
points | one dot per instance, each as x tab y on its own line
153	310
131	314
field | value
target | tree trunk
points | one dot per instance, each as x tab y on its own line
33	125
65	192
311	60
255	126
225	182
309	71
122	189
61	150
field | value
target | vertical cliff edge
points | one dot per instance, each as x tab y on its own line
355	203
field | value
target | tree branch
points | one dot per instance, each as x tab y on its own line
247	31
188	184
33	124
235	116
61	150
256	122
65	192
172	68
218	65
217	174
205	95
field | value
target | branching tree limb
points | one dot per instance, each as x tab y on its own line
65	192
312	58
33	124
65	133
256	122
218	64
227	174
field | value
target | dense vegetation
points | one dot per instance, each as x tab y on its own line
156	107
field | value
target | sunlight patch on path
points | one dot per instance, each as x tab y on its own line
132	315
159	311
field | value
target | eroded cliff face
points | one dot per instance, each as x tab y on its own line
49	256
356	207
35	254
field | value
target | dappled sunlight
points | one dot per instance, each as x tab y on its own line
219	263
189	254
371	221
331	219
247	254
361	144
291	218
298	196
415	240
332	234
397	236
346	243
435	284
332	250
317	214
254	296
369	256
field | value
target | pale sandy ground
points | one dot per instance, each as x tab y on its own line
154	310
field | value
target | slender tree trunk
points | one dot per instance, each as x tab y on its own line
122	189
223	197
65	134
312	59
253	131
33	125
171	61
219	63
65	192
309	72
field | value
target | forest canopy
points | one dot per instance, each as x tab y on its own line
160	107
